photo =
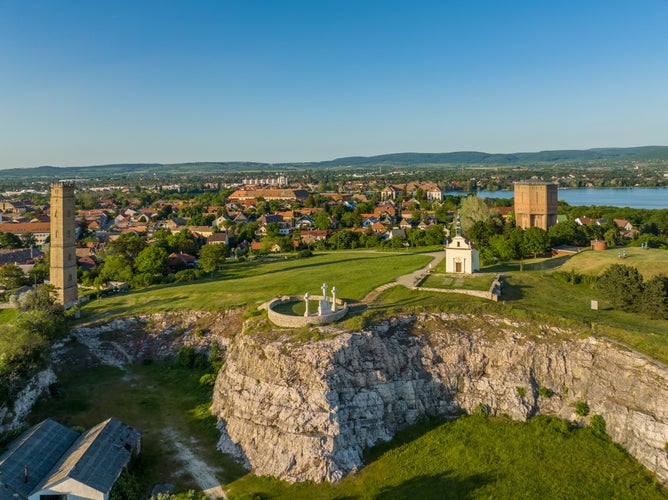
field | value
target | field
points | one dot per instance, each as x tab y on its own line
476	457
480	282
252	283
650	262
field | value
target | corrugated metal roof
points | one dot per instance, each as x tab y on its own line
97	457
39	449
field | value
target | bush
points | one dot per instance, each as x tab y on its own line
581	408
304	253
597	424
545	392
481	410
208	379
186	356
521	392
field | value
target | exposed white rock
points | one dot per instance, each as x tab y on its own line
14	415
307	411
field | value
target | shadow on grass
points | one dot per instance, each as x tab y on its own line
436	486
528	265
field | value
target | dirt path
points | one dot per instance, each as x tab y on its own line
204	476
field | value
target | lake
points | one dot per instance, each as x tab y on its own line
621	197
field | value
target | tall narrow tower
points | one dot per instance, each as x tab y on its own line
63	255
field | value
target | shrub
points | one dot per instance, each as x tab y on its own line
665	447
521	392
208	379
481	410
581	408
186	356
597	424
545	392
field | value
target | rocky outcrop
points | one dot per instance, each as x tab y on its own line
13	415
151	336
307	411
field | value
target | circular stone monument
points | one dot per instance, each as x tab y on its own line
330	309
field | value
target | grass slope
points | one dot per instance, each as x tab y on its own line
650	262
475	457
251	283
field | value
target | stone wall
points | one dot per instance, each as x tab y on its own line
293	321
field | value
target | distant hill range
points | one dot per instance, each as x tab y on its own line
454	159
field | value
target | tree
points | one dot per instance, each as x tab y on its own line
40	271
535	241
622	286
151	260
655	298
474	209
322	221
12	276
128	244
566	233
29	240
10	240
116	267
211	257
503	247
272	229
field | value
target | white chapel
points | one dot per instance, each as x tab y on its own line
460	254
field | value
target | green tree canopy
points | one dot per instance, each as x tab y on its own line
116	267
151	260
535	241
10	240
622	286
211	257
12	276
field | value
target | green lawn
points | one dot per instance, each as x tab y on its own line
650	262
251	283
480	281
7	316
475	457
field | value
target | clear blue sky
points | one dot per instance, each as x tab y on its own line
97	81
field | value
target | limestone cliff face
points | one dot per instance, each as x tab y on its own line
307	411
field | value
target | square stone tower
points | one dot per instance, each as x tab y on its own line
63	255
535	204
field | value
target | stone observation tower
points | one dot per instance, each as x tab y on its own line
63	256
535	204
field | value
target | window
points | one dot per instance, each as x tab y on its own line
53	497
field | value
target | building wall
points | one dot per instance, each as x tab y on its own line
535	204
73	489
459	251
63	273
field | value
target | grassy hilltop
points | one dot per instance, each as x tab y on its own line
474	457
